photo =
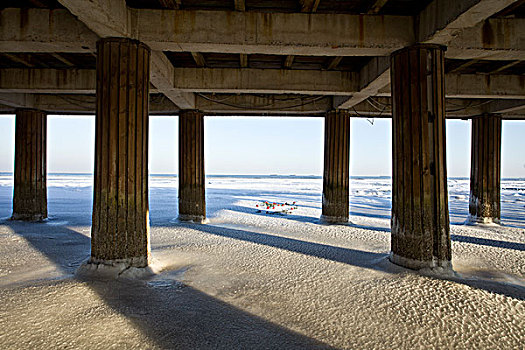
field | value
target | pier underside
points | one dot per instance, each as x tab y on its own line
417	62
379	262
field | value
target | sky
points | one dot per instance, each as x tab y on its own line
261	145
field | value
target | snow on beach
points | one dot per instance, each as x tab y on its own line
254	280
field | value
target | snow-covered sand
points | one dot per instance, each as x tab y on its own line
251	280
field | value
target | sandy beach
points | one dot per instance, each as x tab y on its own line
251	280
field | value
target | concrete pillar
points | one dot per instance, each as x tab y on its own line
485	170
30	190
420	221
336	167
120	230
192	201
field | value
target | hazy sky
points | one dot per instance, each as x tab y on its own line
260	145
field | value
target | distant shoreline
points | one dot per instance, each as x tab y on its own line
273	176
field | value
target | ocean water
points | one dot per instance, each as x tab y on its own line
369	196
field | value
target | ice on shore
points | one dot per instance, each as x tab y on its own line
249	280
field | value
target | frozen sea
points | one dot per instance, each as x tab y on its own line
252	280
370	197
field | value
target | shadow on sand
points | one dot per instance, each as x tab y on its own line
323	251
489	242
359	258
174	315
168	312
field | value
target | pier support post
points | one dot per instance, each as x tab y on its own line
420	220
30	190
120	230
336	167
192	201
485	169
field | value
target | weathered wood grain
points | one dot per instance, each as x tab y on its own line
420	221
120	229
485	170
336	167
30	186
192	201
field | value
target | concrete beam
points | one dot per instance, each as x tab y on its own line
159	105
74	104
334	62
479	86
288	61
380	107
485	86
17	100
320	34
505	66
469	108
113	18
199	59
263	104
235	104
372	77
42	30
377	5
239	5
493	39
51	81
170	4
163	76
86	104
104	17
243	60
273	33
504	107
25	62
441	20
463	66
65	104
438	23
182	82
278	81
309	5
62	59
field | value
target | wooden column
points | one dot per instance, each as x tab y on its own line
192	201
30	190
485	170
120	231
420	221
336	167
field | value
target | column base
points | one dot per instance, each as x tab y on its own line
325	219
418	264
138	261
197	219
137	267
29	217
473	220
